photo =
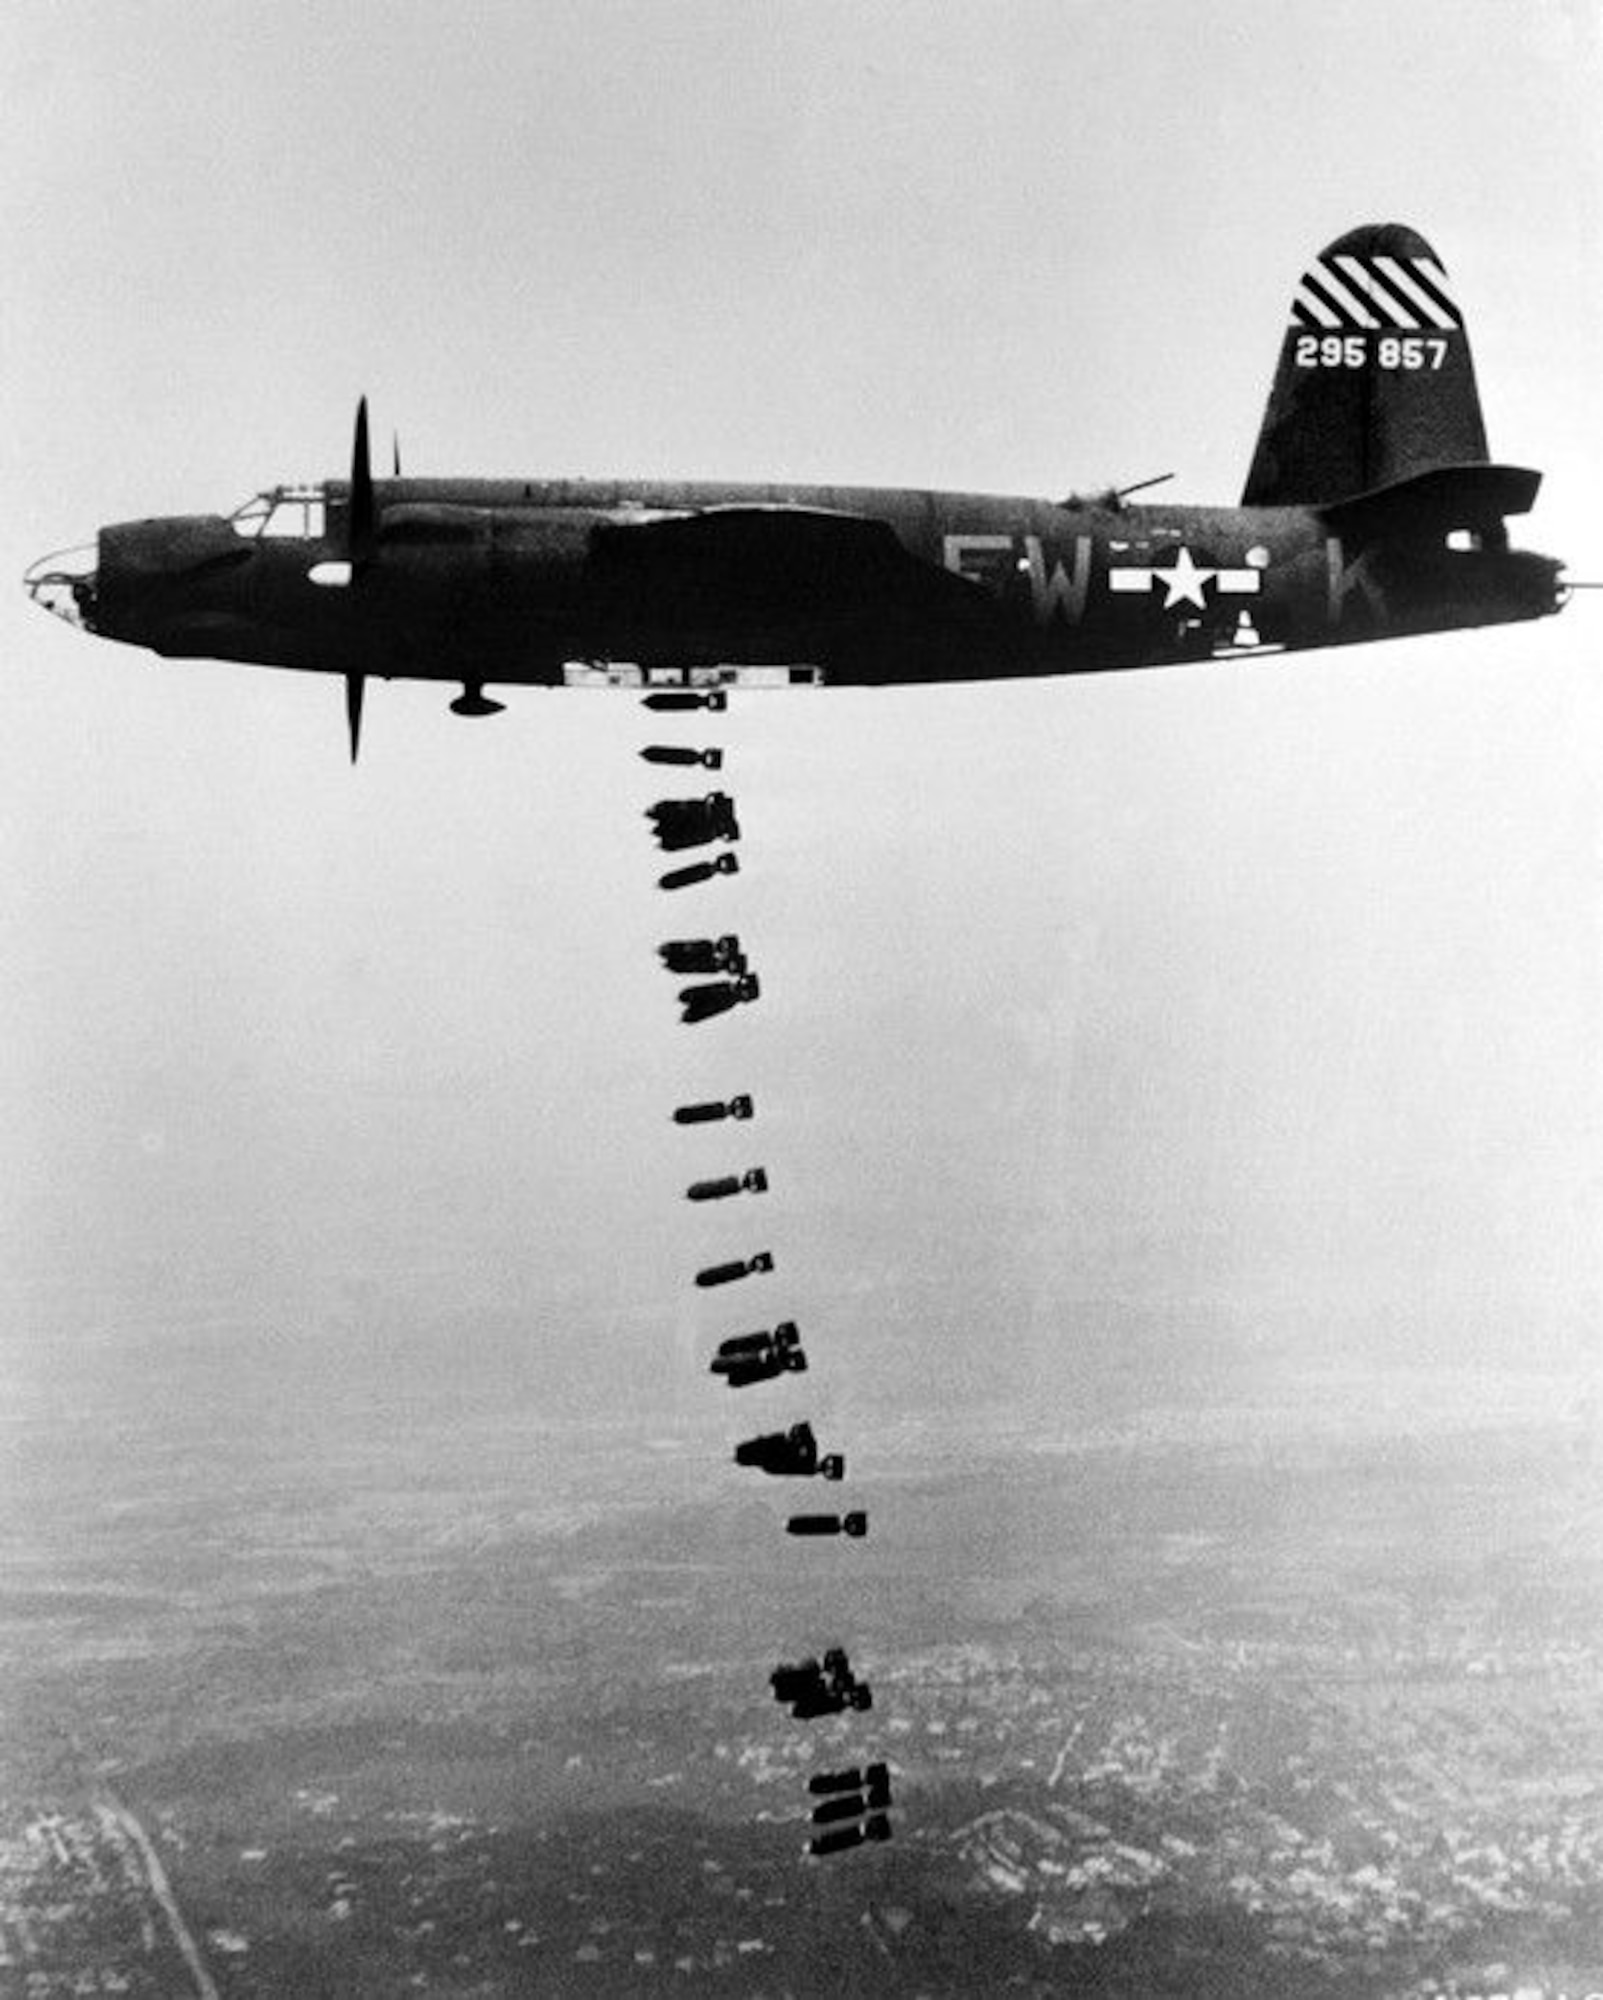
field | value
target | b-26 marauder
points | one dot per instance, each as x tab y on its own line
1372	510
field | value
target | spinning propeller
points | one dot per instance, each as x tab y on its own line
361	552
360	539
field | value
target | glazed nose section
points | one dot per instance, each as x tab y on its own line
66	584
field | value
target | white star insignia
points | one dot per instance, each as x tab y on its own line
1184	581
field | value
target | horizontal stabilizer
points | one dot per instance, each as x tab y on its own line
1431	504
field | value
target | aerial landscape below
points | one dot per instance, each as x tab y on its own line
1293	1695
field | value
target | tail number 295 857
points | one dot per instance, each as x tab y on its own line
1333	350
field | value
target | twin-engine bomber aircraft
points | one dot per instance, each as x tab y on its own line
1371	511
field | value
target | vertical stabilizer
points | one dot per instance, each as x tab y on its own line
1375	382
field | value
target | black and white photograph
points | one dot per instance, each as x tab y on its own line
801	1000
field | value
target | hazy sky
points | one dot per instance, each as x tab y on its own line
1251	1005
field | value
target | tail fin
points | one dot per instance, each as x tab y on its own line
1375	383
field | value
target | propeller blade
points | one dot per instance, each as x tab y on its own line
362	514
361	538
355	686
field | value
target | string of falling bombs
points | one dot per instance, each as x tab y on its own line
850	1807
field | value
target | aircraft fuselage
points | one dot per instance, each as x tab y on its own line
529	582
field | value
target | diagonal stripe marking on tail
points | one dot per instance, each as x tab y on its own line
1325	285
1348	277
1353	287
1354	274
1309	310
1400	277
1362	274
1432	281
1411	312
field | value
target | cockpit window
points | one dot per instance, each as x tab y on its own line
293	511
249	519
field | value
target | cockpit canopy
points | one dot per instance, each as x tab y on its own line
295	512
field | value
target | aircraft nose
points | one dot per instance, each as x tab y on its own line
65	583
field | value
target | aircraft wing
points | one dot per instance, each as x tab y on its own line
793	560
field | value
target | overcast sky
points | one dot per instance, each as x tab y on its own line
1245	1010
